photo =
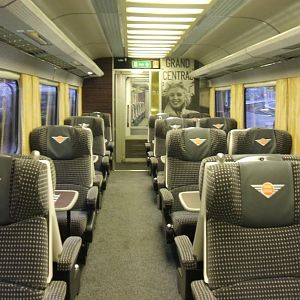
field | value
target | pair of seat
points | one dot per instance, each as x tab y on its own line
248	232
29	235
70	149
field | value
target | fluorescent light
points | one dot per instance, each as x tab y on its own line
147	51
137	42
164	11
162	47
148	47
160	19
154	32
90	73
157	37
170	1
158	26
147	56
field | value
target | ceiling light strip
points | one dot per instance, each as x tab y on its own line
157	26
139	42
156	32
164	11
170	2
160	19
149	37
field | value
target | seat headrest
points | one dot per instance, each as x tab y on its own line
195	114
225	124
254	193
95	124
62	142
23	189
194	143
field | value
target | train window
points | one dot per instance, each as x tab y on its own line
260	106
222	103
9	116
49	107
73	98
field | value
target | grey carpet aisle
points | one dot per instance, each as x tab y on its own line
129	258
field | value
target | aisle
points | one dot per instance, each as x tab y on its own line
129	258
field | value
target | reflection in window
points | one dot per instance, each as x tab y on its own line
49	104
222	103
260	106
139	102
73	101
9	116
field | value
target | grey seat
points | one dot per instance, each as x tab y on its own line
225	124
259	141
218	189
162	126
70	148
196	114
186	148
102	165
27	250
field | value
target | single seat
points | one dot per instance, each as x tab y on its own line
162	126
196	114
102	165
70	148
191	256
109	141
225	124
150	140
28	247
186	148
259	141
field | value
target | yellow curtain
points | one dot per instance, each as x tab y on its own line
282	97
212	103
237	104
294	112
64	103
79	95
31	108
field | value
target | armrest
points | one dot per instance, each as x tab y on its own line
161	180
148	146
110	146
166	198
150	154
91	197
69	254
185	252
56	290
107	153
153	166
105	161
201	291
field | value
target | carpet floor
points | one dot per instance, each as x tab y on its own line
129	258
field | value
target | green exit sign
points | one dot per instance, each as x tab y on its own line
141	64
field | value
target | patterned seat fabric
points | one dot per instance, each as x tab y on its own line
259	141
24	259
225	124
252	231
70	149
186	148
162	126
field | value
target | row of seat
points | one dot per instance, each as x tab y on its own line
71	154
188	151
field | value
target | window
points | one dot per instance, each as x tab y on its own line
260	106
222	103
49	108
73	101
9	116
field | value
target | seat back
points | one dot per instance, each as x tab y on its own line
186	148
70	148
96	125
162	126
259	141
26	257
225	124
107	123
195	114
251	221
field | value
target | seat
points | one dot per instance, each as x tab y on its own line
186	148
225	124
196	114
107	132
259	141
28	247
218	184
70	148
162	126
150	140
102	164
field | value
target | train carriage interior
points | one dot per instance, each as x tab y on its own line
170	134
